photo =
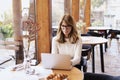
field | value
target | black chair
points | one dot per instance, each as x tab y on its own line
112	34
97	76
86	52
92	33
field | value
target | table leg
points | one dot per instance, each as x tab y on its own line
93	59
106	46
102	58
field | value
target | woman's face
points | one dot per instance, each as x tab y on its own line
66	29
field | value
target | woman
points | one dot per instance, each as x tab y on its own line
67	41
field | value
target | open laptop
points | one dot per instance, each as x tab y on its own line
56	61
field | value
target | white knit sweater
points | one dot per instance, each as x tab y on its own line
74	50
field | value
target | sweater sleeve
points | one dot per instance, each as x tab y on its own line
54	46
77	55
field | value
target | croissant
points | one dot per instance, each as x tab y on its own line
55	76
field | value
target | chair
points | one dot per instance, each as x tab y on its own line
96	76
86	52
92	33
112	34
54	31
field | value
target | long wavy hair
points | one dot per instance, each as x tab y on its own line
73	35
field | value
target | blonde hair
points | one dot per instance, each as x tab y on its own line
73	35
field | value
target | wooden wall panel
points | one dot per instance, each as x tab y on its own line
43	19
87	12
75	9
67	6
17	29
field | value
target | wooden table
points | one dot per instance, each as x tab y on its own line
100	28
74	74
95	41
40	73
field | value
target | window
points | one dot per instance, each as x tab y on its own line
57	13
6	31
6	25
82	8
97	12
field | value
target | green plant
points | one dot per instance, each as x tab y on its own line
6	30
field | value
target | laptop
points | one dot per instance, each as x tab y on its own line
56	61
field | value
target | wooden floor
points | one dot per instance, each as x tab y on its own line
111	60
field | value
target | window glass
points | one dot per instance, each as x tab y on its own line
6	19
112	14
105	13
97	12
6	26
6	31
25	8
57	13
82	8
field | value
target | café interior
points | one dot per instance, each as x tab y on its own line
27	29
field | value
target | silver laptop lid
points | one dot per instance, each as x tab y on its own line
56	61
